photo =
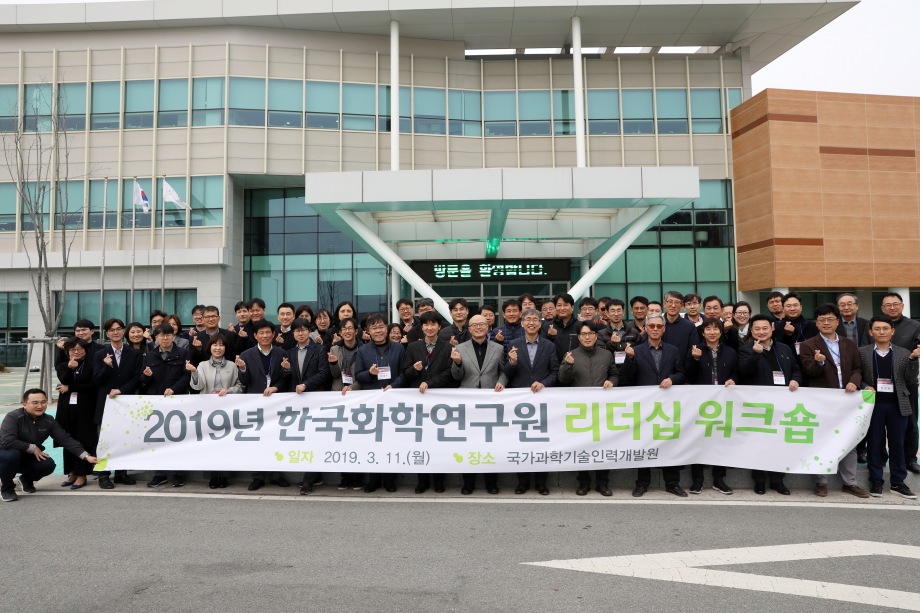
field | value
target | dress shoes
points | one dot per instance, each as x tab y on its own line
370	489
439	490
466	491
821	490
603	490
420	489
280	482
640	490
543	490
390	488
256	484
914	468
760	488
222	482
780	488
677	490
212	483
125	479
582	490
521	489
68	483
491	490
79	486
106	483
862	457
856	491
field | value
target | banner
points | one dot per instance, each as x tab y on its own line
459	431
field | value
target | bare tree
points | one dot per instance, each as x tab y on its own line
37	156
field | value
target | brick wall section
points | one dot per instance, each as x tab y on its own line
826	190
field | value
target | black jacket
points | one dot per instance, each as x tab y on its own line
545	367
435	372
167	374
254	375
757	368
641	370
699	372
124	376
19	430
313	373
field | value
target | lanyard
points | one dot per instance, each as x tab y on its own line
890	357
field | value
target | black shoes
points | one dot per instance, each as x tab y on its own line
221	482
696	487
26	485
760	488
157	481
582	490
370	489
178	481
280	482
306	488
390	487
543	490
780	488
640	490
722	488
106	483
521	489
213	483
903	490
125	479
420	489
344	484
439	489
256	484
491	490
862	457
603	490
8	495
466	491
913	467
875	490
677	490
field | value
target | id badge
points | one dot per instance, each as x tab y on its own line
779	378
268	381
884	385
619	357
73	397
797	348
383	373
347	379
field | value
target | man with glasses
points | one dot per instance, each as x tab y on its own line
832	361
659	363
84	330
587	310
532	363
589	366
906	333
794	329
116	371
211	319
692	304
678	331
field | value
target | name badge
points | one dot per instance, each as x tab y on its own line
268	381
619	357
347	379
383	373
797	348
779	378
884	385
73	397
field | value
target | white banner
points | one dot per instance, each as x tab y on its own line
458	431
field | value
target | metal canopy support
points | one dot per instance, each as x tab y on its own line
376	246
579	93
616	250
498	217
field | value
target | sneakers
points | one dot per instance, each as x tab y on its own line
26	484
903	490
158	481
178	481
722	488
8	495
696	487
875	490
344	484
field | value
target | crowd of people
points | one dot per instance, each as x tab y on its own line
522	343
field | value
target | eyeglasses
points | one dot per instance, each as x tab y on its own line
654	326
479	325
114	329
530	320
889	305
741	313
826	320
347	329
587	334
211	316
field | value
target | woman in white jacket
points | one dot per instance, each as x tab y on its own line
216	375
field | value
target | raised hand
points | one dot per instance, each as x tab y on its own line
569	358
696	352
455	356
190	367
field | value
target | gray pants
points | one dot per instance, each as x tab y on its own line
846	469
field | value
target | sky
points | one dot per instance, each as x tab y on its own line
873	48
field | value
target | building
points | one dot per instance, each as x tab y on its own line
543	146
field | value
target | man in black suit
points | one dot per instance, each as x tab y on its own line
199	338
264	369
765	362
852	326
116	370
428	366
532	363
679	331
656	363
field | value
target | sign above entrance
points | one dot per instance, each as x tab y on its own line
433	271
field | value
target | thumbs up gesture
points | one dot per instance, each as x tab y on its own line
455	356
696	352
569	359
819	357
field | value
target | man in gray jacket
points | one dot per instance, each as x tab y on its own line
589	366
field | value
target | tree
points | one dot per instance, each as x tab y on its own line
37	155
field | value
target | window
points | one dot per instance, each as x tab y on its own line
208	101
9	108
707	111
733	97
7	207
68	205
173	103
603	111
464	113
285	103
133	213
35	205
359	107
533	113
138	104
101	200
711	218
36	107
671	105
72	106
106	106
564	112
637	111
206	199
85	304
14	310
247	102
430	111
405	109
322	105
714	195
680	218
500	114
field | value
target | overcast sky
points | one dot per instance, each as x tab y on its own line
874	48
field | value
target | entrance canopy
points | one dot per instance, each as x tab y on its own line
534	213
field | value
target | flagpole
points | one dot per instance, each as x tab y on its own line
105	211
133	249
163	258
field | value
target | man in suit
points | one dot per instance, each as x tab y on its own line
793	329
309	372
656	362
116	370
906	335
888	370
832	361
199	338
852	326
264	369
679	331
532	363
477	364
428	366
765	362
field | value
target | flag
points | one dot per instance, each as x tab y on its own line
170	195
140	198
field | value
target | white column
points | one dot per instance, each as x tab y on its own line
579	93
905	295
394	95
394	294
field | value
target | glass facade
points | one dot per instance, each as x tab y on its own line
85	305
293	255
14	321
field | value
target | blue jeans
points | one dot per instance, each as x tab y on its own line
13	461
887	420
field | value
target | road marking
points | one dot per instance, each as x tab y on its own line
688	567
